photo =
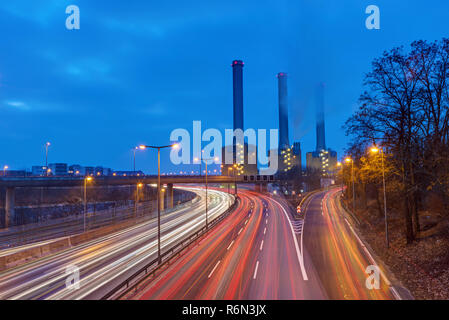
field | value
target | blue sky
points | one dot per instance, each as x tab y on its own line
136	70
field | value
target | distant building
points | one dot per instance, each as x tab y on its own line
99	171
13	173
58	169
324	161
297	158
38	170
244	160
127	173
89	171
76	170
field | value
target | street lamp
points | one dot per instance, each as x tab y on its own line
349	160
205	161
143	147
381	151
46	157
139	186
229	168
4	170
86	180
134	157
340	166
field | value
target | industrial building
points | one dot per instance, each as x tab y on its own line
241	153
322	161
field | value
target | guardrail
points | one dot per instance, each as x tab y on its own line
151	268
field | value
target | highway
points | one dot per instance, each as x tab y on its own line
338	252
263	252
108	260
38	233
255	253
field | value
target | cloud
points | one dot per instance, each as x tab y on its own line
17	105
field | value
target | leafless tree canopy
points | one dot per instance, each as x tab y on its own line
405	110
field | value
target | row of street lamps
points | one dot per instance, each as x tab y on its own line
374	150
88	179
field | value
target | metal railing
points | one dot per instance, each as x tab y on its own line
152	267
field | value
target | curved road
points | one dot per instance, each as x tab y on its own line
255	253
262	251
106	261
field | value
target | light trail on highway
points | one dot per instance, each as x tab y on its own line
263	252
108	260
251	255
338	253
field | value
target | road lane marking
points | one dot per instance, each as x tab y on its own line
241	229
298	252
246	222
265	230
230	245
261	246
210	274
255	270
266	221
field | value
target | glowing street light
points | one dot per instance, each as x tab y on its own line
349	160
205	161
86	180
139	186
375	149
48	144
4	170
143	147
378	150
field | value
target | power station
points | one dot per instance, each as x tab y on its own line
322	161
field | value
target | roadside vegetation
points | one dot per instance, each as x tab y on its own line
404	115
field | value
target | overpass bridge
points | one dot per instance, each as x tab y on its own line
11	183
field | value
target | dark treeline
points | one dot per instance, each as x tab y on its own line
404	110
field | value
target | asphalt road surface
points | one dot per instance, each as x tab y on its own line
263	251
104	262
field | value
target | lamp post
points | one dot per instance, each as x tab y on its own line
205	161
86	179
4	170
349	160
229	168
340	165
236	168
46	158
143	147
134	159
381	151
139	186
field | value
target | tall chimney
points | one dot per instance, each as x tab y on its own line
237	74
283	111
320	129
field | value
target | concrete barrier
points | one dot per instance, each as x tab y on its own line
26	255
